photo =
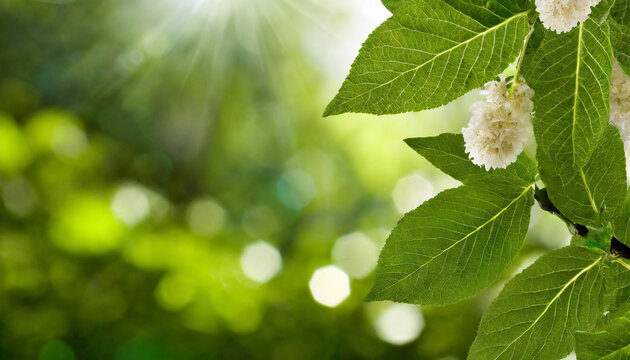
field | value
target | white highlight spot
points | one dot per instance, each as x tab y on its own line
261	262
20	197
571	356
205	217
68	141
296	189
130	204
400	324
410	192
356	254
329	285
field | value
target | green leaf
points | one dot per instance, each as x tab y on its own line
621	12
612	343
600	238
453	245
447	152
490	12
620	33
481	10
602	10
393	5
617	285
570	74
621	222
426	55
592	195
537	313
580	157
620	39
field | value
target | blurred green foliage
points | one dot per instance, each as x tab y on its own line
145	144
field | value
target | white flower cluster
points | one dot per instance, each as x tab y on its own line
563	15
499	125
620	108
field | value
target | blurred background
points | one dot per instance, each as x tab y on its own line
169	189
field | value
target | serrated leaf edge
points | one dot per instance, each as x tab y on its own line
574	279
504	209
331	110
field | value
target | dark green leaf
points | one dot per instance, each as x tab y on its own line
620	39
621	222
602	10
612	343
583	170
593	194
617	285
570	74
621	12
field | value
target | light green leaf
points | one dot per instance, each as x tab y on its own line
447	152
591	195
487	12
612	343
570	74
426	55
537	313
453	245
392	5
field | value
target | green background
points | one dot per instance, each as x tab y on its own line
145	144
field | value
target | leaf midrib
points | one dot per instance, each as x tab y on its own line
556	297
493	218
576	96
481	34
588	192
619	351
577	87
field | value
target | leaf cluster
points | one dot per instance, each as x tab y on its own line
431	52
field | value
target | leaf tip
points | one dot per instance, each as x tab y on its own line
409	141
375	294
332	108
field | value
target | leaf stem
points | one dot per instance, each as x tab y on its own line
519	64
619	249
623	263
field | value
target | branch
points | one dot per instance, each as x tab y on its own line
542	198
617	248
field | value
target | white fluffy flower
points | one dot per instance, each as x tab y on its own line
563	15
620	108
499	125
